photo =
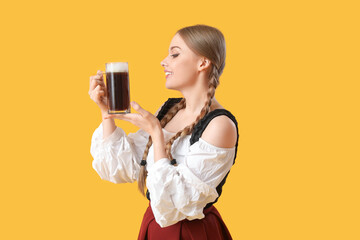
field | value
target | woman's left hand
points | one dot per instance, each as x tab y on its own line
143	119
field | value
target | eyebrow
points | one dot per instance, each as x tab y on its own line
174	47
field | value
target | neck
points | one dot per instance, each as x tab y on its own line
196	97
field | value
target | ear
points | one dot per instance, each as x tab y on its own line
204	64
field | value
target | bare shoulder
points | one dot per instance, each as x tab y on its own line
221	132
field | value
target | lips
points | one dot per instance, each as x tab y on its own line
168	73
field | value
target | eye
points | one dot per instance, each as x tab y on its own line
175	55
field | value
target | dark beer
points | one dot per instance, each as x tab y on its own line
118	92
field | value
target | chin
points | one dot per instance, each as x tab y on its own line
175	85
168	85
171	88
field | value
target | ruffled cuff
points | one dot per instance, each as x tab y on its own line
114	136
114	159
176	193
99	144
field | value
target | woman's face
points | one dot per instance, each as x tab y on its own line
182	64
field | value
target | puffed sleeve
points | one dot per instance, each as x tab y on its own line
179	192
117	157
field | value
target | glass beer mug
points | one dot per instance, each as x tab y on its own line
117	87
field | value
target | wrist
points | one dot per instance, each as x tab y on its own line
157	134
159	150
158	140
104	112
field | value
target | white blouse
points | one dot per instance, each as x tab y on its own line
176	192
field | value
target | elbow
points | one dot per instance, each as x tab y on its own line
116	176
111	178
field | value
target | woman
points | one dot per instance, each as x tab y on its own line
184	152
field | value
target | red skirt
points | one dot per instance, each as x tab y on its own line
211	227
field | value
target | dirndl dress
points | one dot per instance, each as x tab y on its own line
211	227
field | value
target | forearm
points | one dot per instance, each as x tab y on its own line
108	125
159	145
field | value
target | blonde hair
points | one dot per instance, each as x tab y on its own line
208	42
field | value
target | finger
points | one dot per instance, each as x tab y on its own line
127	117
97	88
100	83
95	93
139	109
117	116
100	74
93	83
97	77
96	98
100	93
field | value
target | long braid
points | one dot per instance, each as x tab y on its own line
168	116
143	172
172	112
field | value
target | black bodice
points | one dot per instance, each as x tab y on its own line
197	132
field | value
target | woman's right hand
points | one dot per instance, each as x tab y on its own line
97	91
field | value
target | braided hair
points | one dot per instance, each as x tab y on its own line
206	41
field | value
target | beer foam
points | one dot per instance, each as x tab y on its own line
117	67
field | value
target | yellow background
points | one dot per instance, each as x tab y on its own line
291	79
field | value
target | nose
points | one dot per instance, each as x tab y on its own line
162	63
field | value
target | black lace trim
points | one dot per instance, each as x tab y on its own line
166	107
